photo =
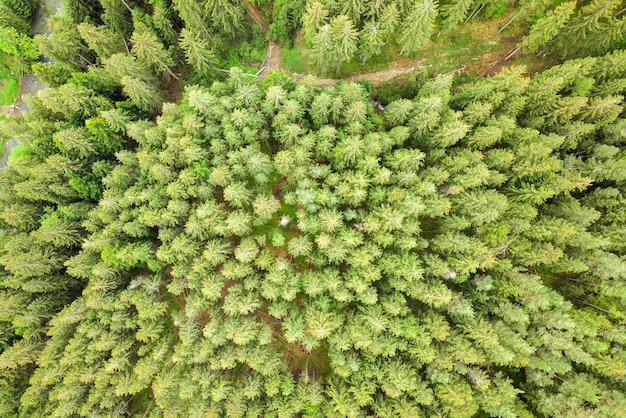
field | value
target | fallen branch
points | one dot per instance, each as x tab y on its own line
512	53
228	72
507	24
458	70
475	12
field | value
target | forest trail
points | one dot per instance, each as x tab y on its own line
273	58
256	15
377	77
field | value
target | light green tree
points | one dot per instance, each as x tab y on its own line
417	26
198	52
343	38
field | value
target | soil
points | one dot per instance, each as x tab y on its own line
394	71
273	59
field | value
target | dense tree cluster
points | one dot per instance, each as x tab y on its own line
340	31
272	248
285	250
576	29
15	29
204	34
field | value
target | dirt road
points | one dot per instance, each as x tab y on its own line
377	77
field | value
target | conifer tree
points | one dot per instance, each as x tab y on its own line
454	13
353	9
548	27
225	15
9	18
145	95
117	15
150	51
343	38
64	44
313	18
322	47
418	25
370	41
191	12
103	41
198	52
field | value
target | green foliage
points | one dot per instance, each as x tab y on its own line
294	60
273	248
286	19
10	87
17	44
416	28
54	75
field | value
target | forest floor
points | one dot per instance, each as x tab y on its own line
475	49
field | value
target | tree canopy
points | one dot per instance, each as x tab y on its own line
180	241
288	250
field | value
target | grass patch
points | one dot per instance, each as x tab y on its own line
294	60
374	63
9	85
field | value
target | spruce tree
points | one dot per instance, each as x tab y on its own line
198	52
343	37
549	26
418	25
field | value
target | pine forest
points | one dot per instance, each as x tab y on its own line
189	227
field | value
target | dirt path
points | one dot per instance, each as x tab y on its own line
256	15
273	59
377	77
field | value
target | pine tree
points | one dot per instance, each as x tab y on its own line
322	48
388	20
83	11
191	12
120	65
20	7
371	39
606	38
117	16
75	140
353	9
454	13
103	41
145	95
9	18
314	17
226	15
64	44
589	17
59	233
162	18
